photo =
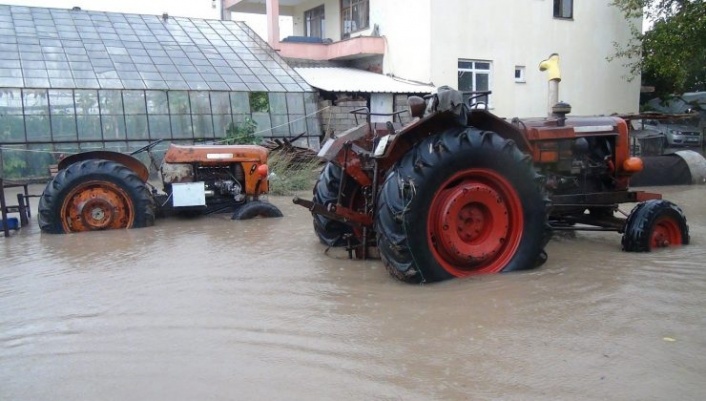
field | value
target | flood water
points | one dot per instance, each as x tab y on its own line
214	309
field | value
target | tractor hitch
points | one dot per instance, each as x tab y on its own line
338	213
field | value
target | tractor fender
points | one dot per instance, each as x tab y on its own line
126	160
486	121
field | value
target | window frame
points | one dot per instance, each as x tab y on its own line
313	15
560	8
347	10
475	71
522	70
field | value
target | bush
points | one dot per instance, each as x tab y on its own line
242	133
288	177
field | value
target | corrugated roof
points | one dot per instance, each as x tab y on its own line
333	79
60	48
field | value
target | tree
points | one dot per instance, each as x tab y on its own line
672	54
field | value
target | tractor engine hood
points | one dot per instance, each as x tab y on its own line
215	154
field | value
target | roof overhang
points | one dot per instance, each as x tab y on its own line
335	79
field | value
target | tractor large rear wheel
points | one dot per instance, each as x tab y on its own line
461	203
330	232
95	195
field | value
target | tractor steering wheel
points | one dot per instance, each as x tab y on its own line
147	147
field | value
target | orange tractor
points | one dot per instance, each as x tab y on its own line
459	191
106	190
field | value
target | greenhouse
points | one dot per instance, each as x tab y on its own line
73	80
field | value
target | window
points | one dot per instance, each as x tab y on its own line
474	76
314	22
354	16
520	74
563	8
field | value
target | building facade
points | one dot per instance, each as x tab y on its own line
470	45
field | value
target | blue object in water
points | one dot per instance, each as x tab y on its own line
12	223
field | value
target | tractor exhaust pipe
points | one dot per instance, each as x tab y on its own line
551	66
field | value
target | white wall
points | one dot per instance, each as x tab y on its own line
408	42
510	33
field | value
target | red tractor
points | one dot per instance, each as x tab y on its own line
103	190
459	191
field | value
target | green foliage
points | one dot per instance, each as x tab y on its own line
287	176
14	165
259	102
672	55
242	133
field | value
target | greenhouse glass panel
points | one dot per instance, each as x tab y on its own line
35	102
181	125
12	127
63	115
159	126
157	102
220	102
86	102
280	126
14	162
263	124
200	103
278	103
37	128
88	127
134	101
295	103
111	102
240	102
113	127
39	160
136	126
179	103
203	126
63	127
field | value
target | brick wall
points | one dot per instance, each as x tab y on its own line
338	118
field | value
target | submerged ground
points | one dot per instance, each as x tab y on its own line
213	309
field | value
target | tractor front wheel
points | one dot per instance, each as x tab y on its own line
461	203
330	232
95	195
655	224
254	209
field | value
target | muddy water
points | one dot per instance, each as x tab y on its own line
211	309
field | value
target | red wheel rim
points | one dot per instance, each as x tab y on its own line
475	223
666	232
96	205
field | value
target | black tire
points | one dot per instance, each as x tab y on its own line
655	224
88	175
409	245
330	232
253	209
